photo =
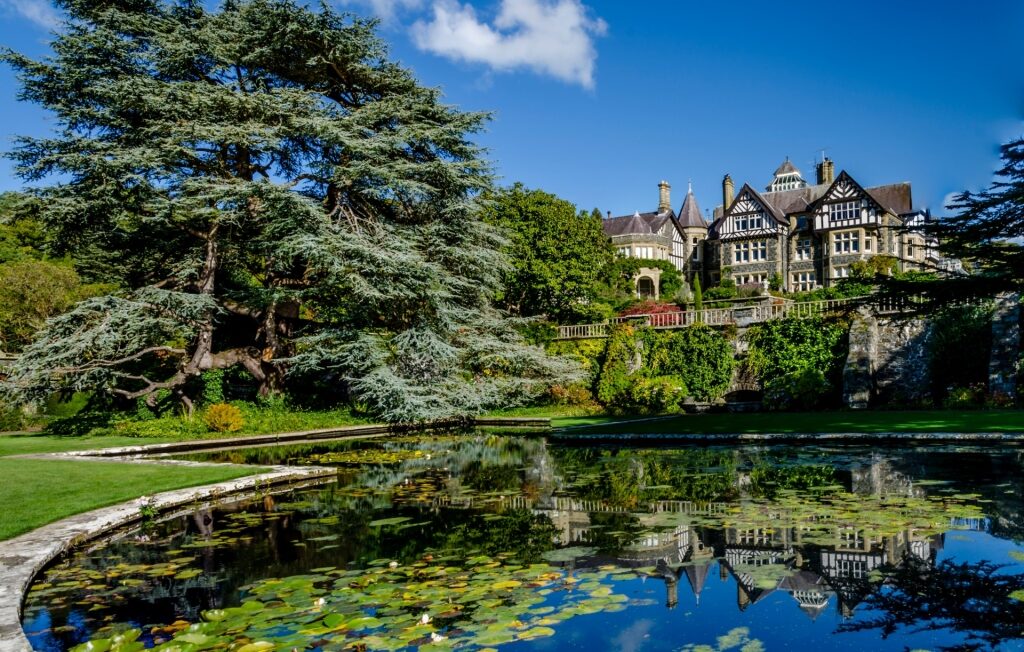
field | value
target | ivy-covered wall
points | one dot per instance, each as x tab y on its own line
645	370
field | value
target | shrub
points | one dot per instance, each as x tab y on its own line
725	290
964	398
800	390
660	394
570	395
793	356
222	417
587	352
649	308
699	356
617	366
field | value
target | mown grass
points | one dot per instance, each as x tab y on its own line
37	492
34	443
806	422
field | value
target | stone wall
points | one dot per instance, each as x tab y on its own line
887	362
1002	362
888	358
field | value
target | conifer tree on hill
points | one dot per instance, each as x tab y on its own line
272	193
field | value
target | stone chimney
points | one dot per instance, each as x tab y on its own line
826	172
664	197
728	191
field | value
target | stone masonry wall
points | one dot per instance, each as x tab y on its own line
887	362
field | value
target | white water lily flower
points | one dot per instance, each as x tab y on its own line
435	637
393	564
424	619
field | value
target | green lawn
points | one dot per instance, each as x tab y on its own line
804	422
37	492
24	444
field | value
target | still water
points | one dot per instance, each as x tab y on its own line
482	541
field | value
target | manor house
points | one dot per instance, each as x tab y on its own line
805	234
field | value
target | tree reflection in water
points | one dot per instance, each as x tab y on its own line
969	598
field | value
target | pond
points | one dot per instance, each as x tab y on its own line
483	541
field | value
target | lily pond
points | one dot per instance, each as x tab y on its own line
482	541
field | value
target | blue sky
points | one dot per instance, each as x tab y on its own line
597	100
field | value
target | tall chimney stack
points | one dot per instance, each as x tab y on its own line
664	197
826	172
728	190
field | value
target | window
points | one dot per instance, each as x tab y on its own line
749	279
745	252
803	249
748	222
910	251
804	281
847	242
842	272
845	211
867	244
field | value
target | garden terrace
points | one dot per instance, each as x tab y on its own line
739	315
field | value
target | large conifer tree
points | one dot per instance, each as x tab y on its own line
272	193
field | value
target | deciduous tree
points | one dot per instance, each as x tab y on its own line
558	253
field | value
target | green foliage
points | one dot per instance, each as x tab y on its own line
799	361
274	195
222	417
698	294
775	282
657	395
726	289
695	361
699	356
21	233
618	287
557	254
803	389
958	352
213	386
32	291
617	367
589	353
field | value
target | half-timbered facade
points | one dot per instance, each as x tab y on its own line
810	235
752	236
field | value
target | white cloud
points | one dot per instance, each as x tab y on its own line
385	9
553	37
39	12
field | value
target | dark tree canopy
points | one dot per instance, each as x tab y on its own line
272	193
985	233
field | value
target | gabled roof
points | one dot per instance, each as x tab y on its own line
777	215
689	214
638	223
894	197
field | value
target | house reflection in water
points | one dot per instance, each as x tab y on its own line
797	560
